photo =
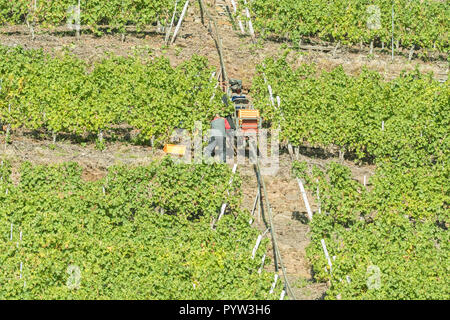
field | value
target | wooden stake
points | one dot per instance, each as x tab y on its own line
259	203
218	42
255	203
202	12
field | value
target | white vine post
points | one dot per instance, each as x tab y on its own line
34	14
250	24
74	14
262	263
224	205
8	129
326	253
33	21
269	87
166	40
373	275
241	26
272	288
392	31
373	21
318	198
79	20
305	199
258	242
74	280
180	21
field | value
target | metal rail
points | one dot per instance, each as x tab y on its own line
278	257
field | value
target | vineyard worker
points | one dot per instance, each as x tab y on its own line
219	128
228	118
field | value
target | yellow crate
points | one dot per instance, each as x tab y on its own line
248	114
175	149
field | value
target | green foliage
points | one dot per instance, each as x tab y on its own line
399	225
424	24
115	14
64	94
146	236
334	109
393	233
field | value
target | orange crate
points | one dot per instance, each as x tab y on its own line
249	120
